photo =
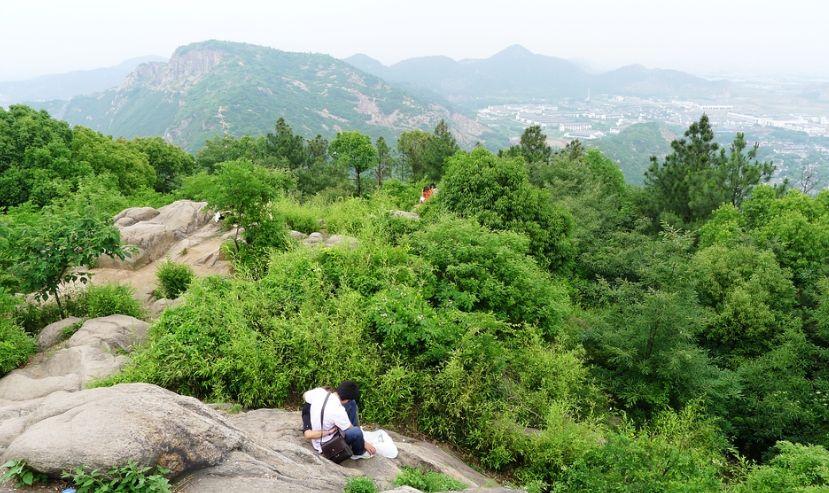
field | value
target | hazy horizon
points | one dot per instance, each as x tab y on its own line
739	37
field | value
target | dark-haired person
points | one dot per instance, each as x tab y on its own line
341	412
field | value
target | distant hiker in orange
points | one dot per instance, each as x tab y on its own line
427	192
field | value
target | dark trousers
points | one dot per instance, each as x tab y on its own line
351	410
354	435
354	439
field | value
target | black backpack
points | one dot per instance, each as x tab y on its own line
335	449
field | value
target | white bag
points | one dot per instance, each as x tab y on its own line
382	442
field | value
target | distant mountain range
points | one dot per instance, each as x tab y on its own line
518	75
217	87
69	84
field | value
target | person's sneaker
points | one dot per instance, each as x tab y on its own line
364	455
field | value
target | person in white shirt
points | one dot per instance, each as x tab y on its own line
340	412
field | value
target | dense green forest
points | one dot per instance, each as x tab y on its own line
557	325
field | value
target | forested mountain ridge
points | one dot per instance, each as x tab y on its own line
214	87
517	74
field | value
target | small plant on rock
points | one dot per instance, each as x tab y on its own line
173	278
427	481
68	332
130	478
360	484
21	473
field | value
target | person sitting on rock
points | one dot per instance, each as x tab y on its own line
341	413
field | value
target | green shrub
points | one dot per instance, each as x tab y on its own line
480	270
427	481
498	194
22	475
108	299
130	478
34	317
678	453
15	346
173	278
360	484
796	467
298	217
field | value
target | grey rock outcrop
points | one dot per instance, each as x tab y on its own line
99	428
53	333
150	233
94	351
132	215
318	239
412	216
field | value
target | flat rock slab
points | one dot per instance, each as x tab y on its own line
102	427
275	426
94	351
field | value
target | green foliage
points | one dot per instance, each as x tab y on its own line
498	194
45	252
129	478
108	299
360	484
678	453
797	468
480	270
243	189
427	481
173	278
752	296
169	162
533	146
15	346
356	152
698	176
22	475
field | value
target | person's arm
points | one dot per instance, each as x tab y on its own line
315	434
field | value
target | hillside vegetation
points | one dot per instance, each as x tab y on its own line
560	327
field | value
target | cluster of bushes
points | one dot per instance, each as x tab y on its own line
129	478
561	327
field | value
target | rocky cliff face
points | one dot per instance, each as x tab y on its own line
185	68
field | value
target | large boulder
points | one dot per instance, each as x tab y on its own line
53	333
103	427
130	216
95	351
150	238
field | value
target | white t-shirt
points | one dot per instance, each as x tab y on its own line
335	414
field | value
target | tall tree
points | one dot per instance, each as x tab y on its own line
285	145
534	146
698	176
412	147
356	152
316	150
440	147
52	250
740	170
383	161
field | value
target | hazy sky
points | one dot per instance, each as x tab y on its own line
701	36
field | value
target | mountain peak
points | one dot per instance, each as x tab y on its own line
515	50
